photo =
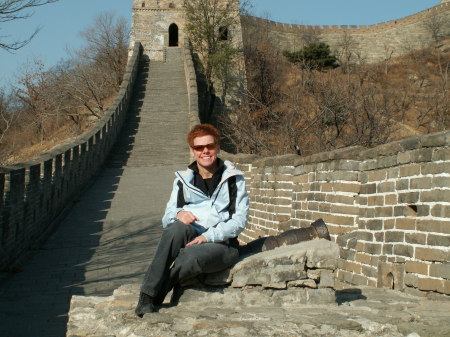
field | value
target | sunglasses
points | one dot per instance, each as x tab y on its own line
200	148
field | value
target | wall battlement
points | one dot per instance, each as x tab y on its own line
324	29
371	43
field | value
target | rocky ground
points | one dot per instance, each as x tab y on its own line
254	311
284	292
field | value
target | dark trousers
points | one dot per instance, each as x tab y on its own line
174	263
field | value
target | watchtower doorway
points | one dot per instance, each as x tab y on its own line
173	35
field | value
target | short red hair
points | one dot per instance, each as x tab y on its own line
201	130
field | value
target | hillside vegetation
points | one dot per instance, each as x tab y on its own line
305	109
49	106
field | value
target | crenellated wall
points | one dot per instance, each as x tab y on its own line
34	194
388	208
372	43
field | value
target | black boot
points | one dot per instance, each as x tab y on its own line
177	292
145	305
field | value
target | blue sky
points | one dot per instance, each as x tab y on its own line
62	22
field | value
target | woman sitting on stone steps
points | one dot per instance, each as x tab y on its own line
206	212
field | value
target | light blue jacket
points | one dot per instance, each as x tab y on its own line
215	223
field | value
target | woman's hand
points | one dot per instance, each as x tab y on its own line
197	241
187	217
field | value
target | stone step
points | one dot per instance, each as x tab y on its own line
157	121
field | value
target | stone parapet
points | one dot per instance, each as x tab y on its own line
373	43
34	194
191	82
386	207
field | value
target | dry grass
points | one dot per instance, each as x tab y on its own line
27	145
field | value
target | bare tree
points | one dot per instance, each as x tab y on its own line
34	92
346	52
209	25
5	122
12	10
437	26
107	44
87	86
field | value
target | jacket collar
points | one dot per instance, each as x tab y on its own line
220	166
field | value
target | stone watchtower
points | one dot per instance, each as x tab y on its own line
158	24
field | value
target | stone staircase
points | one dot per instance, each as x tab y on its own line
157	123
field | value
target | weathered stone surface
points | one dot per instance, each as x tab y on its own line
254	311
281	267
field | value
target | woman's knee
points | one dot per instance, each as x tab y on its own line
187	264
175	229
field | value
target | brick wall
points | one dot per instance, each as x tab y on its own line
33	194
373	43
388	208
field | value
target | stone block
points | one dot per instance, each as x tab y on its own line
420	183
423	210
442	154
440	270
403	250
321	296
374	225
429	284
384	212
434	168
444	287
375	200
372	248
370	271
415	238
405	223
313	274
435	196
385	187
326	279
416	267
438	240
379	175
402	184
440	211
408	198
393	236
411	280
276	268
308	283
437	226
363	258
369	189
431	254
440	182
410	170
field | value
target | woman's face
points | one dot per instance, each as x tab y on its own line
205	151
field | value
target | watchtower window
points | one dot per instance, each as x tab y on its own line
173	35
223	33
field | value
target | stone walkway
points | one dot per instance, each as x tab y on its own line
108	237
363	312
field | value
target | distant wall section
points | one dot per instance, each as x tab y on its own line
371	43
